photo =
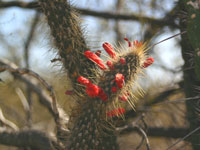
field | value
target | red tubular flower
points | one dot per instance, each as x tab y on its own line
148	62
129	43
102	95
116	112
110	65
92	90
137	44
119	78
98	53
122	61
108	48
123	98
114	89
93	57
83	80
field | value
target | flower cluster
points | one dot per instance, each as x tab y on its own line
116	73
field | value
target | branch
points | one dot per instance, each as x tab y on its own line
21	71
50	102
158	132
28	5
168	21
28	138
6	122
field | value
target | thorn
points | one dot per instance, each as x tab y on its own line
108	48
116	112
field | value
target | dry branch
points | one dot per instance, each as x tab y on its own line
169	21
28	138
6	122
49	102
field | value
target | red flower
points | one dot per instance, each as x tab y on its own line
123	98
129	43
93	57
148	62
83	81
122	60
110	65
92	90
108	48
137	44
119	78
114	89
102	95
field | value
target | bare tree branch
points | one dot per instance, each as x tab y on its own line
28	5
28	138
144	137
158	132
26	57
6	122
183	138
22	71
50	102
169	21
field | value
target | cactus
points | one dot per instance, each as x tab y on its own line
102	91
190	45
68	37
91	128
193	30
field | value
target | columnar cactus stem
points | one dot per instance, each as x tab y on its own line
65	28
112	84
190	45
91	128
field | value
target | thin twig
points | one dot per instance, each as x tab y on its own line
195	130
145	137
23	99
7	123
26	58
58	114
23	71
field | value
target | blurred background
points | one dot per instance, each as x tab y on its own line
26	41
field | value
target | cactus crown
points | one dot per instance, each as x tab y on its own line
116	80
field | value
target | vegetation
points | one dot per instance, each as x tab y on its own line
87	95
